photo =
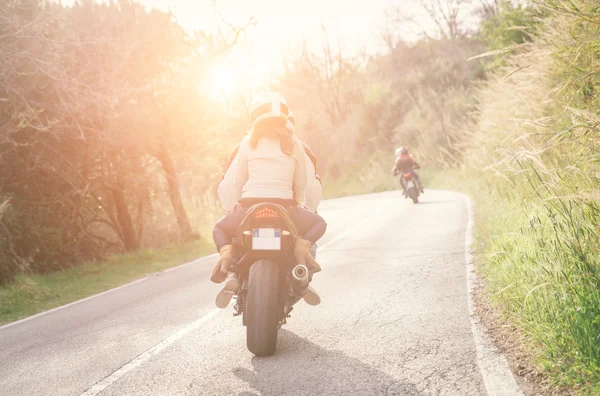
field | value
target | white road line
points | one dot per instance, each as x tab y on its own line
197	261
497	376
145	356
156	349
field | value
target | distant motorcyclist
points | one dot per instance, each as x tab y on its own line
404	164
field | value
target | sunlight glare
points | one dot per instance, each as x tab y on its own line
223	83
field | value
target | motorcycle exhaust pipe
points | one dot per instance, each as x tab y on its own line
300	280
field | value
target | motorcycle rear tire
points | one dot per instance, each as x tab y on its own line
414	195
262	322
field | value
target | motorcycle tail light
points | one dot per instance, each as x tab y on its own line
266	213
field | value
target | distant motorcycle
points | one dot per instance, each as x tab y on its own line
412	187
271	281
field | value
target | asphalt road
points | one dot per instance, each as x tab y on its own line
394	320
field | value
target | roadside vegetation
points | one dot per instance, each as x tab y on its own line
532	165
27	295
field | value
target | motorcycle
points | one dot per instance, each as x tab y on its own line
271	281
412	187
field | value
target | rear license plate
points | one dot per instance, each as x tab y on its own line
266	239
410	184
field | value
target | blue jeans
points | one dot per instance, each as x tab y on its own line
310	225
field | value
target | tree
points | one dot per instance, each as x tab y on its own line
89	113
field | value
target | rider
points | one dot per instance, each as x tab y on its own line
270	167
405	163
314	188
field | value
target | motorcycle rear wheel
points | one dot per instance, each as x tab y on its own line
414	195
262	308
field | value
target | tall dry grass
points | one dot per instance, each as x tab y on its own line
533	166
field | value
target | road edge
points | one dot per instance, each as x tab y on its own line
145	277
498	378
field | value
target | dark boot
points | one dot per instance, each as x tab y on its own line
311	297
303	256
225	295
219	272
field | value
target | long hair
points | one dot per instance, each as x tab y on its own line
275	129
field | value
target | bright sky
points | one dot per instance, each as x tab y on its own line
281	28
280	23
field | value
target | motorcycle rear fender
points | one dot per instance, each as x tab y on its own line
284	218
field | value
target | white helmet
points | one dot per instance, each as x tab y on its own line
401	150
291	122
269	105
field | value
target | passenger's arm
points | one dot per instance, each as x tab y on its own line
226	189
314	189
241	174
299	173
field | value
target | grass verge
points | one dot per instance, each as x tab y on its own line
31	294
539	258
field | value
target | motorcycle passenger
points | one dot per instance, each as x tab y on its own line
314	188
404	164
270	168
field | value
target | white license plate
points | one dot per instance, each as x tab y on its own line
266	239
410	184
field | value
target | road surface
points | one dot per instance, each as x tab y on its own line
394	320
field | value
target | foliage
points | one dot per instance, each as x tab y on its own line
533	162
512	25
28	295
98	105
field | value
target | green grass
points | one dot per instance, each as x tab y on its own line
28	295
532	169
542	263
539	255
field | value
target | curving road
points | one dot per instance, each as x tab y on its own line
394	321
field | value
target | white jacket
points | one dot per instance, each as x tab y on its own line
229	193
267	172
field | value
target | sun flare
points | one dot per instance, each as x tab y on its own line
223	83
